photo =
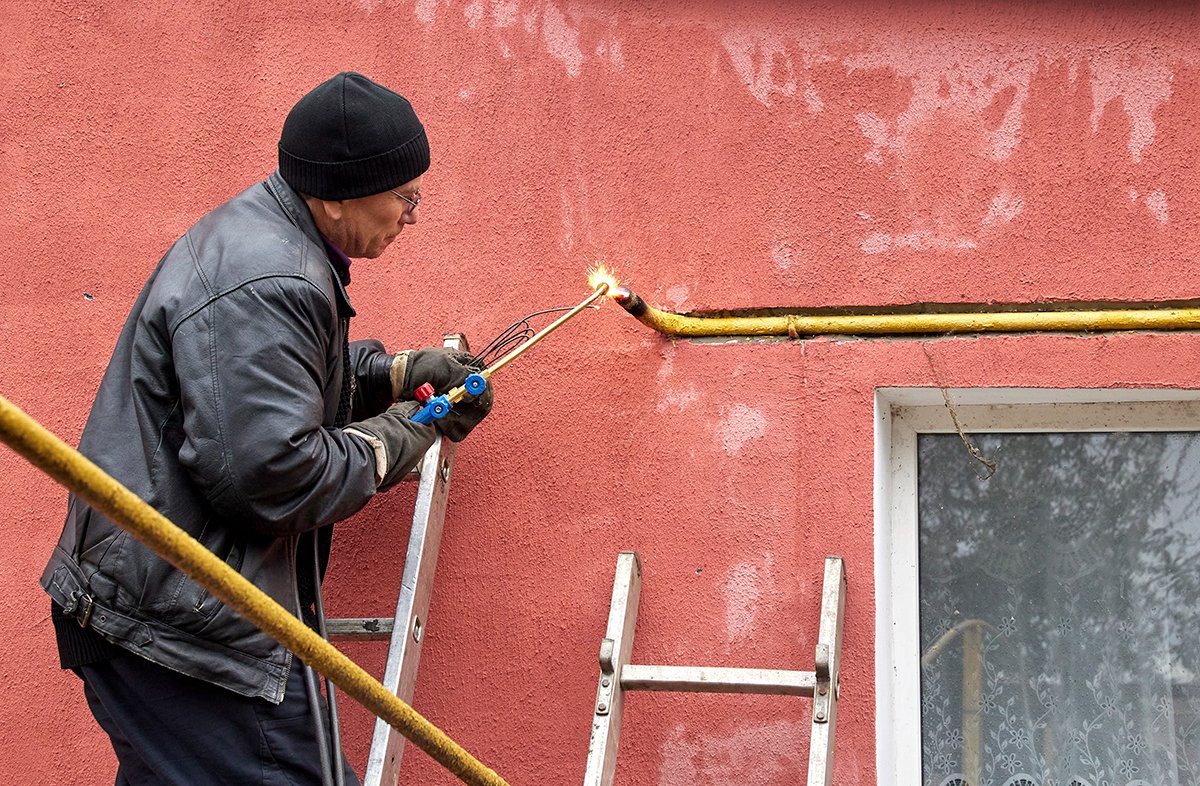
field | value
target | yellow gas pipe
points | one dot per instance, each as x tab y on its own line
794	325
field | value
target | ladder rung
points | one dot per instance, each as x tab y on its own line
703	679
362	628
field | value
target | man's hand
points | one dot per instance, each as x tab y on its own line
397	442
465	415
442	368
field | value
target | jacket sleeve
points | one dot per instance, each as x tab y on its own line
253	374
373	372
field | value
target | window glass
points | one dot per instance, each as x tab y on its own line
1060	609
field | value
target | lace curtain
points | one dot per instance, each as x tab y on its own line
1060	602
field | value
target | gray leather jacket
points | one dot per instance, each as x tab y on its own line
218	408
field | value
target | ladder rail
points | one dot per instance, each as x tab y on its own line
615	651
412	607
828	673
405	631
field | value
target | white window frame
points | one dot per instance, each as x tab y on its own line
900	415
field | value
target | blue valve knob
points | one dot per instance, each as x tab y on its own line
435	409
475	384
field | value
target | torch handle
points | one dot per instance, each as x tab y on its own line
528	345
438	407
475	384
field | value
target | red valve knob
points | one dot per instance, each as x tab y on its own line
423	393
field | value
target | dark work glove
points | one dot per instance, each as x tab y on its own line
465	415
442	368
397	441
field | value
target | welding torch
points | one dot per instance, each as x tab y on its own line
437	407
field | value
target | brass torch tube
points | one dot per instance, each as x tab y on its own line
1049	320
456	394
99	490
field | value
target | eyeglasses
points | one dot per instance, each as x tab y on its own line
413	201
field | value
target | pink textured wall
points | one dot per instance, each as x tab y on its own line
722	156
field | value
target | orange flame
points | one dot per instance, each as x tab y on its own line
599	276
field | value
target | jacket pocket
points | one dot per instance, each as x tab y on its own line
190	604
206	605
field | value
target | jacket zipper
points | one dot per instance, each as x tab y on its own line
287	665
287	673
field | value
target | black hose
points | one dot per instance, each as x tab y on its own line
310	688
335	737
314	707
512	337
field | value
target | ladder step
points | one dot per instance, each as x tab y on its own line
360	629
703	679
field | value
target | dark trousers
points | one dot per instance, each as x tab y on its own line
172	730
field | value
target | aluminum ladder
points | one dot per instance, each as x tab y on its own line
618	675
406	629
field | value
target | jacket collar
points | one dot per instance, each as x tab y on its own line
298	213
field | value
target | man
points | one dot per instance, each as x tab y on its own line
235	405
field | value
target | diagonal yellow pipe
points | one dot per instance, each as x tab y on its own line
91	484
795	325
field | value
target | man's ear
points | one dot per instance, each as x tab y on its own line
325	210
334	210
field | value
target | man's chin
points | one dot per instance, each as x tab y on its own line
377	251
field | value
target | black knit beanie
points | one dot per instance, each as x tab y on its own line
350	138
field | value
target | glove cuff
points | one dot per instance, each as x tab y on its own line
398	372
381	454
397	442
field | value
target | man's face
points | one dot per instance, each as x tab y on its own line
362	228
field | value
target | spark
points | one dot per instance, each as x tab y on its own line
600	276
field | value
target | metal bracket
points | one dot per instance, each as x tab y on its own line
822	694
608	678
